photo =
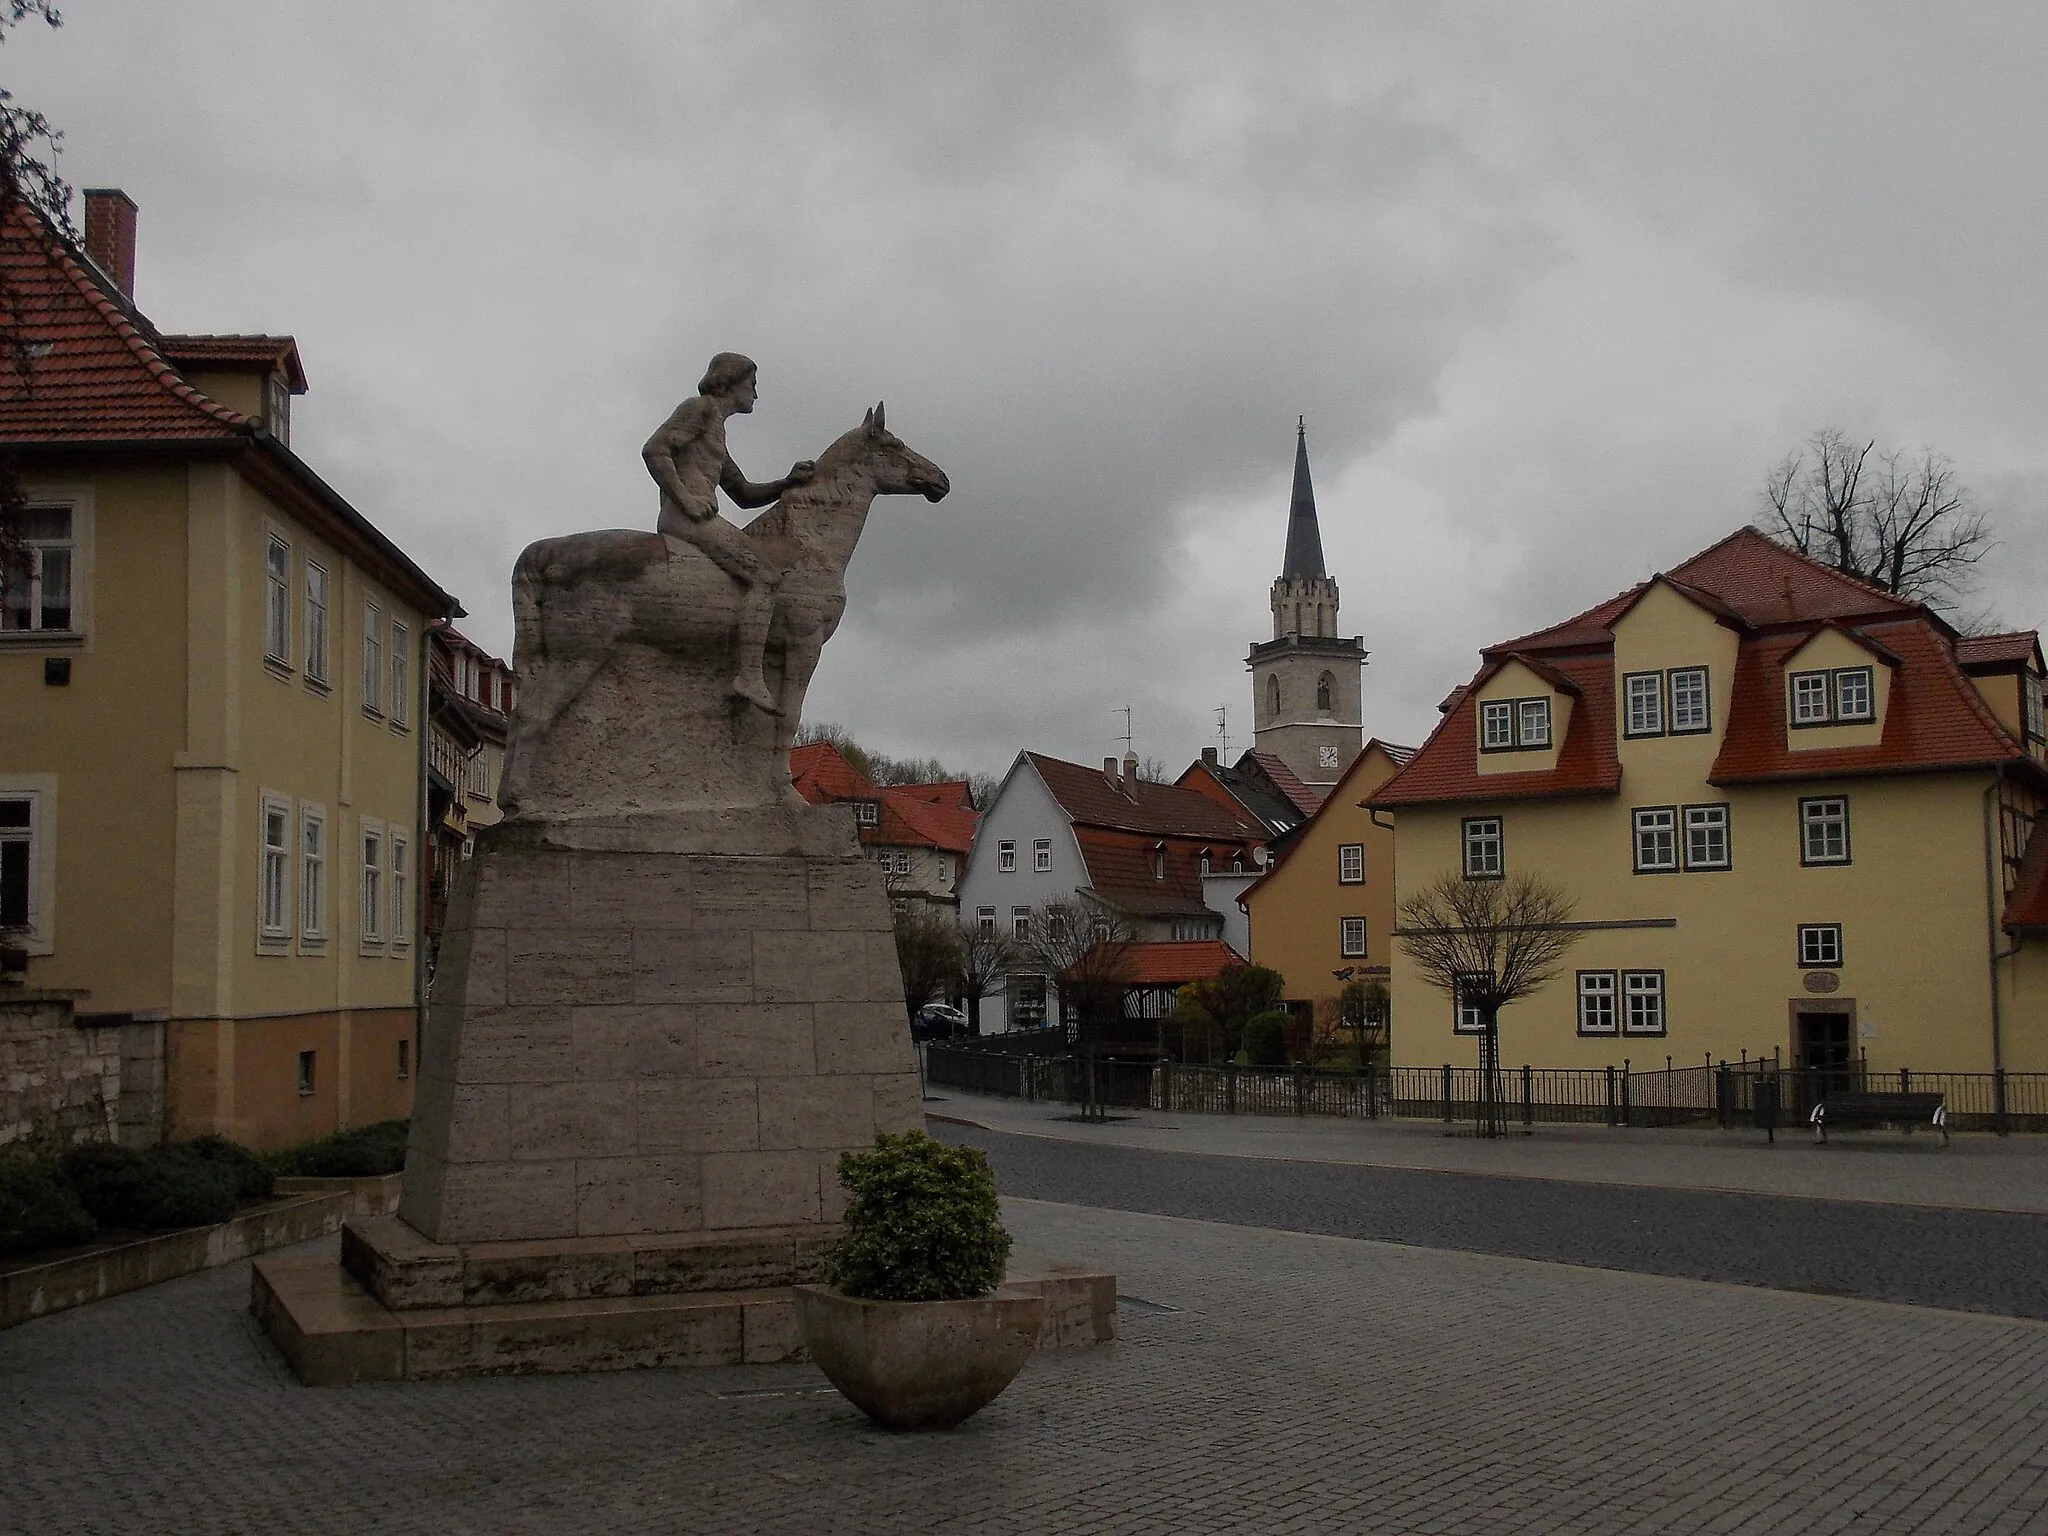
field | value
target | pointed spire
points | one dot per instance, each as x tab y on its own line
1304	535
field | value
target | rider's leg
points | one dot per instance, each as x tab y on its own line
750	643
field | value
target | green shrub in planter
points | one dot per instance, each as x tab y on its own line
922	1224
37	1208
1265	1039
253	1178
164	1187
364	1152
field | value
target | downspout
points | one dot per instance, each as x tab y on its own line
1992	894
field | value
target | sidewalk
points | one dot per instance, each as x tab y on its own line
1975	1172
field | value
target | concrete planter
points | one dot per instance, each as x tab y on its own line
919	1364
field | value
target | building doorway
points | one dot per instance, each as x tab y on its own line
1824	1050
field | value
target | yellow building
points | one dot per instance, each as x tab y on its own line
1791	811
1323	912
212	683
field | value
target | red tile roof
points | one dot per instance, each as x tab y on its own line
1120	866
821	773
953	794
1447	765
103	377
908	818
1159	810
2027	907
1178	962
1288	782
1776	600
277	353
1935	719
1993	651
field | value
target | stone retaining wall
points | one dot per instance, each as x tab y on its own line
57	1079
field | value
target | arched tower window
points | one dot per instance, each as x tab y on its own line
1273	696
1323	686
1159	861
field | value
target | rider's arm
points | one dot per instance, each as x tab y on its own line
744	492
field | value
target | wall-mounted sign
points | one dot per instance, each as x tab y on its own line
1823	982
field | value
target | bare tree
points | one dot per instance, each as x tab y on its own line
1086	950
927	953
1485	944
882	770
1899	521
986	957
30	188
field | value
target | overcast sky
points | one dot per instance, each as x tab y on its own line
1553	284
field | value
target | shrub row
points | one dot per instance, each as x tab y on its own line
361	1153
51	1198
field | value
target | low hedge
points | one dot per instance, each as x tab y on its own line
364	1152
38	1208
161	1187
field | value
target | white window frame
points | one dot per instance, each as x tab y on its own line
1810	698
1691	711
313	862
319	587
40	836
373	659
1820	946
1599	1004
985	921
1351	863
370	890
1497	725
1708	821
1532	722
1644	1007
1041	856
1477	841
399	881
1020	924
1466	1018
401	675
1644	708
1864	678
1351	938
867	813
275	888
1006	856
2030	707
277	599
1824	815
77	502
1655	835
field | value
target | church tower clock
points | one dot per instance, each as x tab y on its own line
1307	682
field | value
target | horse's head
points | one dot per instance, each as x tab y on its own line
897	469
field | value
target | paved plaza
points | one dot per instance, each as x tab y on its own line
1266	1380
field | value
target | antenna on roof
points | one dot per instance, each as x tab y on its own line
1126	713
1223	731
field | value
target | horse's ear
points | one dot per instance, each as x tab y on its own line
876	416
869	419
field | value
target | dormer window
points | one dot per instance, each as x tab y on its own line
1853	694
1497	725
1159	861
1810	698
1506	725
1645	691
1532	722
1844	696
1205	861
2030	704
867	812
277	409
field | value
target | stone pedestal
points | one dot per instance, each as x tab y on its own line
634	1034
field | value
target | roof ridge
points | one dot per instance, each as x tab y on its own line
1857	583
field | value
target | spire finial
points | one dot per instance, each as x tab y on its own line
1301	426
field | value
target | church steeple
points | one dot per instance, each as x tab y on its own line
1304	535
1306	689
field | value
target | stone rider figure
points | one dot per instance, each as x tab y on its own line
687	457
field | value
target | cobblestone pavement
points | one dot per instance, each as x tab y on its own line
2000	1173
1983	1261
1301	1383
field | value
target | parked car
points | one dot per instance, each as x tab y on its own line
938	1021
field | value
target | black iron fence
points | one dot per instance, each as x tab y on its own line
1727	1094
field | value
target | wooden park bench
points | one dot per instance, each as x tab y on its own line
1850	1111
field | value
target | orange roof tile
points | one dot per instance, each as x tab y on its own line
2018	648
1446	767
1157	809
96	373
1935	719
279	353
2027	907
821	773
907	818
1120	870
1178	962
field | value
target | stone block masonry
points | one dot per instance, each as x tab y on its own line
637	1040
58	1079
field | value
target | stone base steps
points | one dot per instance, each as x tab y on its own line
333	1332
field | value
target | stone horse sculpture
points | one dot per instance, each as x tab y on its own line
624	644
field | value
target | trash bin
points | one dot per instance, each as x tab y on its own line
1764	1103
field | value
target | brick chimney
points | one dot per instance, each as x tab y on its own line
1109	772
1209	756
1131	774
110	235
